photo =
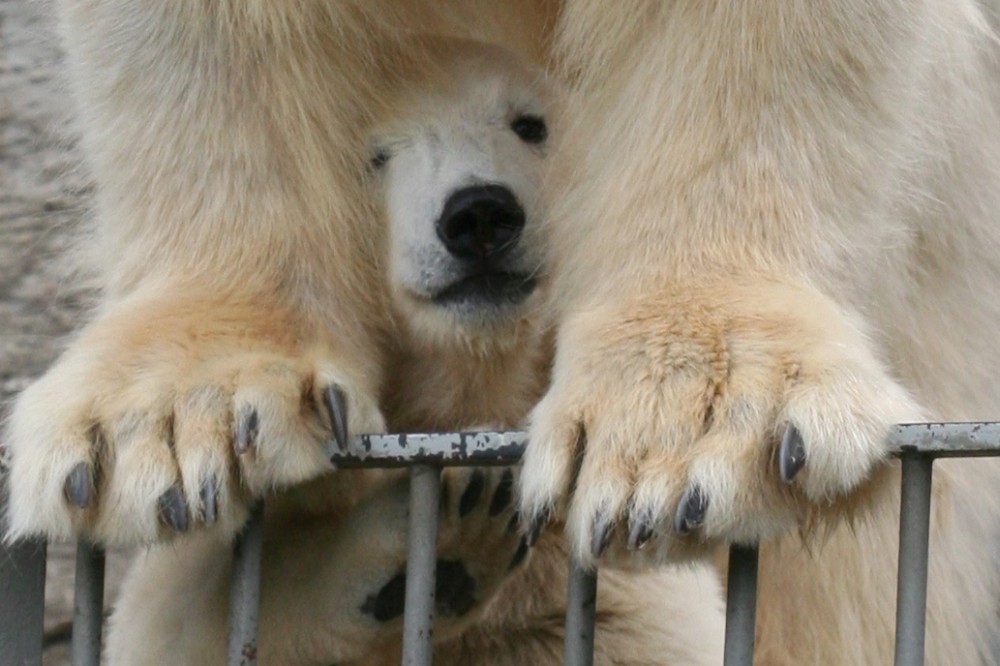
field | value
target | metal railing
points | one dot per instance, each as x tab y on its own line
22	566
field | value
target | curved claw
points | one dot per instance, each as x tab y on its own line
690	510
247	426
336	408
513	523
173	511
536	526
604	525
642	530
78	485
519	554
473	491
503	494
791	454
209	499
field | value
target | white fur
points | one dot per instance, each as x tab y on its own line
774	213
331	545
451	133
762	212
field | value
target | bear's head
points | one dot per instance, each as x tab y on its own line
458	167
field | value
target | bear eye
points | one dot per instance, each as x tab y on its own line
530	128
379	159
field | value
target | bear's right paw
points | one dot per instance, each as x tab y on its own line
129	442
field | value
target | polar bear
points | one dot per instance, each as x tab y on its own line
770	238
455	171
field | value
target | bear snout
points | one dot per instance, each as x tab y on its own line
480	223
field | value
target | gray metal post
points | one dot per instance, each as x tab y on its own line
911	584
418	616
581	604
88	605
244	594
22	603
741	606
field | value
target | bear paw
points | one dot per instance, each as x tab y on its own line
478	545
136	435
706	415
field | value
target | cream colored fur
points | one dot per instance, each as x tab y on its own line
763	212
332	544
772	213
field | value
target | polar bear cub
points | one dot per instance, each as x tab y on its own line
460	171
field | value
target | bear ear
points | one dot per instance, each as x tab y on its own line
530	128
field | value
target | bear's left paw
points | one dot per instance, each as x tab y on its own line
706	415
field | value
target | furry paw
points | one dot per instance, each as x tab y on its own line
152	424
478	546
706	415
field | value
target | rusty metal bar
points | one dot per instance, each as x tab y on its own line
947	440
88	605
741	606
911	581
244	594
581	606
418	615
942	440
470	449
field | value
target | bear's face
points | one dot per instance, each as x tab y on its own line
458	172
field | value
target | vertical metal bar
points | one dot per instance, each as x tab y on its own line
581	604
88	605
418	616
911	584
741	606
244	594
22	602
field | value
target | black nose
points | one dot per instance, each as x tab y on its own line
480	221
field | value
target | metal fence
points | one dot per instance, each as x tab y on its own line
22	566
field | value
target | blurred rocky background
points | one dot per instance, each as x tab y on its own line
44	195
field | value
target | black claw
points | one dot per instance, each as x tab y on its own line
472	493
247	427
336	408
537	525
513	523
503	494
604	525
209	500
519	554
641	532
78	486
791	454
690	510
173	510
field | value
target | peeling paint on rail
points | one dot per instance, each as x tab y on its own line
940	440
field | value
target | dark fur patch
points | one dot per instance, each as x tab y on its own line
455	589
387	603
454	592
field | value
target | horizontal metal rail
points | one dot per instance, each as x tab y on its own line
22	566
939	440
